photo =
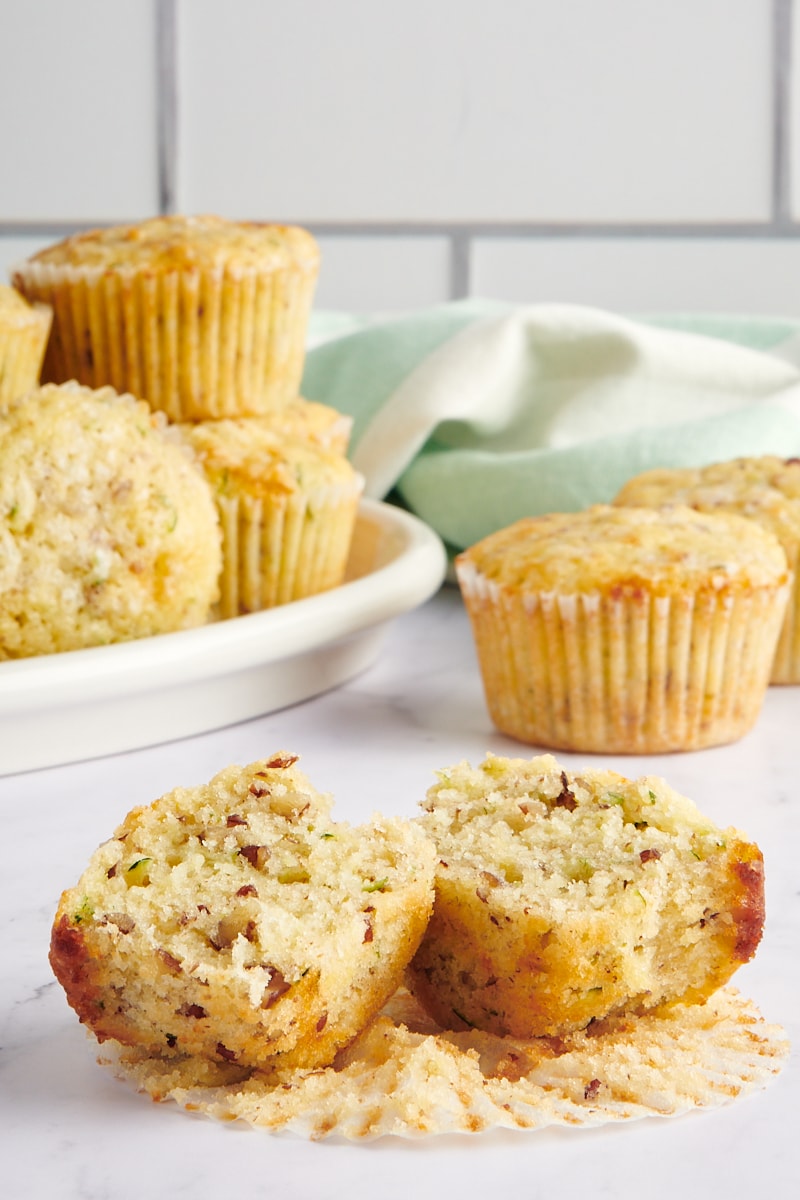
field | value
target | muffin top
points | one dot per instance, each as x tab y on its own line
247	455
181	243
108	530
15	310
765	489
629	549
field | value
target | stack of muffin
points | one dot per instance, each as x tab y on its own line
653	624
205	320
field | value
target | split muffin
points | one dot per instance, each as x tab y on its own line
108	530
626	630
287	510
24	329
764	489
200	316
562	898
237	923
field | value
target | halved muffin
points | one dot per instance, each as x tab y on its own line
237	922
564	897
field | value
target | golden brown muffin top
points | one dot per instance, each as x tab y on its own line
765	489
181	243
607	548
245	455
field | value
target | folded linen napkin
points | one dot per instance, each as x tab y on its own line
478	413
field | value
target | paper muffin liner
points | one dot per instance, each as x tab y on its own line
284	547
23	338
194	344
786	664
406	1077
624	673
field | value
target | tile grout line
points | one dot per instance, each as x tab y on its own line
166	103
782	65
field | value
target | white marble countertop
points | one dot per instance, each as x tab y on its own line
70	1131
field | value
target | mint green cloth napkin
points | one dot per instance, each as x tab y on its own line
477	413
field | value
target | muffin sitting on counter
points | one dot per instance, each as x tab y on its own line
626	630
766	490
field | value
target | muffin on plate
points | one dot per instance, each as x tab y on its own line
765	489
108	530
562	898
24	329
200	316
287	510
236	922
626	630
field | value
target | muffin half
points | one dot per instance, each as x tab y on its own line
237	922
564	897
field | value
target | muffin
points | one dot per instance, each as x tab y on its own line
564	898
108	530
287	510
200	316
24	329
626	630
766	490
236	922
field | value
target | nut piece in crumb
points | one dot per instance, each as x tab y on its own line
108	530
229	922
551	915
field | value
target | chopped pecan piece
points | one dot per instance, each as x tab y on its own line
647	855
192	1010
170	961
255	855
565	798
276	988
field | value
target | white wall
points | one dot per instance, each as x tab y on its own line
637	154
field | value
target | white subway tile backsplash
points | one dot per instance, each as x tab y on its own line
78	98
383	274
727	275
626	110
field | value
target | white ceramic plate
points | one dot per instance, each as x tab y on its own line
61	708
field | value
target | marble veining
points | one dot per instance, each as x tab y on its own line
70	1131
